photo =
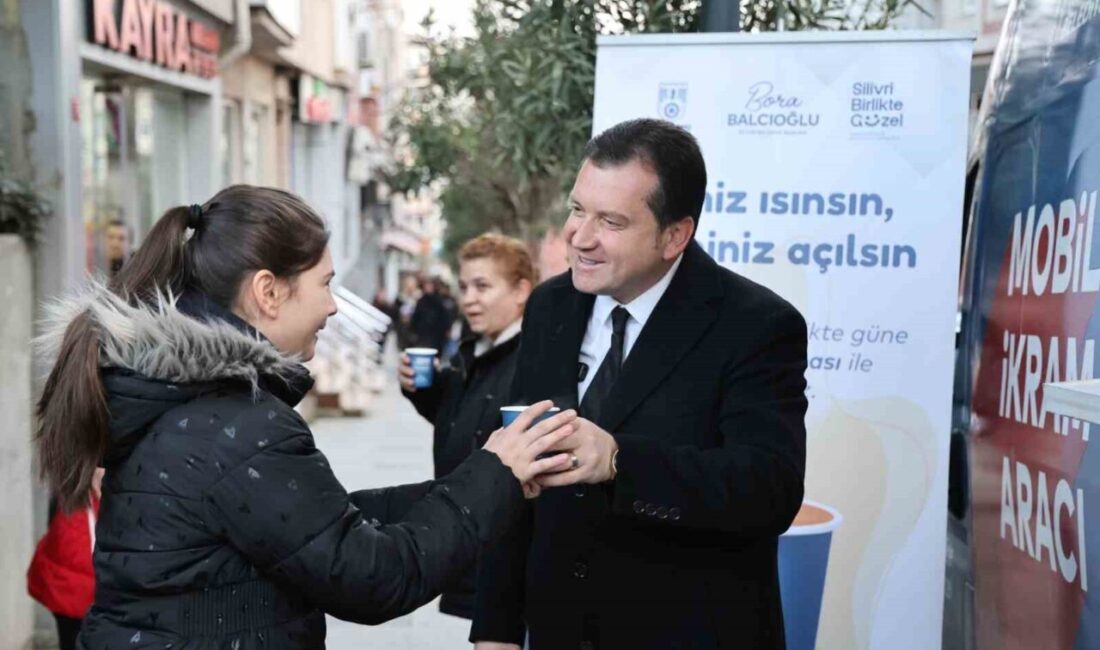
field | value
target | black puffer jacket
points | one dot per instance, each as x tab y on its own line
464	404
221	524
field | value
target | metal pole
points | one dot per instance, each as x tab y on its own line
721	16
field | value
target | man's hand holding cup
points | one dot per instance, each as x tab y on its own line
526	445
590	451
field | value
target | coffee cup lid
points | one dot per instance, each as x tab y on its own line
421	351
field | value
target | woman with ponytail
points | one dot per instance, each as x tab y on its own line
220	523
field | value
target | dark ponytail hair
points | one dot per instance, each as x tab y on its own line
240	230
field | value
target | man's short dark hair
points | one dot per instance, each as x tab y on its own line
670	151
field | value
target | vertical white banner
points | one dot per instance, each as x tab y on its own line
835	167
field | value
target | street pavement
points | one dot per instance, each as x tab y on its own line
391	445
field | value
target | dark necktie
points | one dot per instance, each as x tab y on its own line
605	378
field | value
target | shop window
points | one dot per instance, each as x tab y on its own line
133	164
254	147
231	142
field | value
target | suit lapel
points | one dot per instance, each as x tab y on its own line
571	310
683	315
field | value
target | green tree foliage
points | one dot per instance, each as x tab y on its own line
500	124
22	210
808	15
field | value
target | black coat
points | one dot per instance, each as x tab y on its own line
221	523
464	404
679	551
431	322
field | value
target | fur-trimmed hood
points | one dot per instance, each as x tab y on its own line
159	356
179	339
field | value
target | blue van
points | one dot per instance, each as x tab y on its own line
1024	497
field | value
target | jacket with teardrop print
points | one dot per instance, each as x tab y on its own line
221	524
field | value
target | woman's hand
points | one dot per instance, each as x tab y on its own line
517	446
405	374
97	482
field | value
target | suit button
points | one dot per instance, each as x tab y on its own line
662	513
579	492
588	645
674	514
639	507
580	570
651	509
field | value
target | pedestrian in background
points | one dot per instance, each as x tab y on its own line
430	321
221	523
404	306
61	576
496	275
117	243
383	304
450	305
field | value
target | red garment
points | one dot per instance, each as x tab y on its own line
61	575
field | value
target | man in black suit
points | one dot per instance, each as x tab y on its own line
692	443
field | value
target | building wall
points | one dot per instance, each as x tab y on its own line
221	9
313	50
403	231
388	76
17	615
251	84
15	88
283	119
16	482
319	151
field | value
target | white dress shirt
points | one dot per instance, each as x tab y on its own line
597	338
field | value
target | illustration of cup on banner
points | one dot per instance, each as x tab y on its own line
803	564
422	361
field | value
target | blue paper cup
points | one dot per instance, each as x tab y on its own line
422	361
803	564
508	414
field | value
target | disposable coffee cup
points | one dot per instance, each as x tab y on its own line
508	414
803	564
422	361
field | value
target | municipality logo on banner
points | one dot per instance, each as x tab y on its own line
770	110
672	101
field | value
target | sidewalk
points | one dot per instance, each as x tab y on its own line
391	445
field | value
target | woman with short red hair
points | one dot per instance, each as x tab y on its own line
496	276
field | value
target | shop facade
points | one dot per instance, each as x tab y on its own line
150	117
257	102
320	140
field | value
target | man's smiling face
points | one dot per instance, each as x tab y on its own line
612	236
